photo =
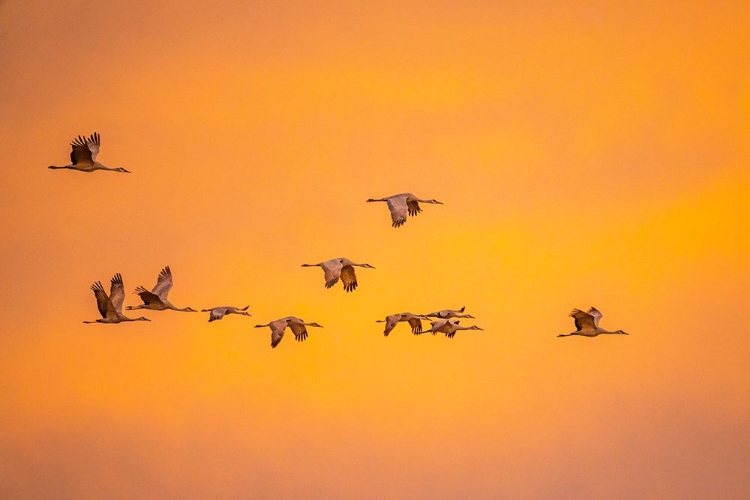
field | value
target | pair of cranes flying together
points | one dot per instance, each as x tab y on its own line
415	320
85	150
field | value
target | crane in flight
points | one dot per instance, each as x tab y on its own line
414	320
587	324
156	299
450	313
401	204
298	327
449	327
83	156
341	267
221	311
110	307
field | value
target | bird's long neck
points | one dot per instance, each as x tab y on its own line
616	332
181	309
100	166
125	318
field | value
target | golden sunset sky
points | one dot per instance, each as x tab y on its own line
587	154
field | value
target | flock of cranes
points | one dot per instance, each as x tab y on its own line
83	158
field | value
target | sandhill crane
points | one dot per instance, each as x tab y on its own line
400	204
587	324
156	299
340	267
414	320
83	156
220	312
450	313
111	307
297	326
449	327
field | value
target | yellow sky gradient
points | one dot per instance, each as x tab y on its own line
591	154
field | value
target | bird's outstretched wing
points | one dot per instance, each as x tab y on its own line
413	207
583	320
438	326
163	283
415	324
147	297
298	329
390	323
106	309
217	313
117	292
93	144
277	331
332	271
80	152
348	278
397	206
596	315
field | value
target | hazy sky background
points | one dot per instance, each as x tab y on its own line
588	154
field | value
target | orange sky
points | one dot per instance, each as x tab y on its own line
591	154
